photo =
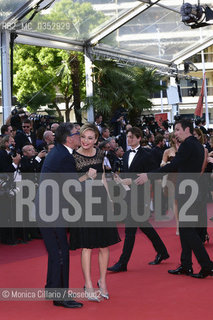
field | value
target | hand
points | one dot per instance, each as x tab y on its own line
116	178
210	160
127	181
42	154
92	173
17	159
211	154
142	178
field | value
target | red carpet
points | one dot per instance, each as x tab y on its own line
144	292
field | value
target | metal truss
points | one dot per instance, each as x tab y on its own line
131	58
120	21
46	40
192	50
20	13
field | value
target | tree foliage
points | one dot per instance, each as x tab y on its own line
44	72
118	86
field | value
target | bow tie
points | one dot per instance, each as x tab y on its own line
133	151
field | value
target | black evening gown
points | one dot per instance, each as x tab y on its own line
91	237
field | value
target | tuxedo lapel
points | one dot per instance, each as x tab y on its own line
133	166
125	161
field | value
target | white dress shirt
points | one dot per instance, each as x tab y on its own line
69	149
132	155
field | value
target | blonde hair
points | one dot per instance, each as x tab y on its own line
90	126
200	134
171	137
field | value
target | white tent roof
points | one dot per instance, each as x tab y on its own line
146	31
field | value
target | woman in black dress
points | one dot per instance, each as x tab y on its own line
89	160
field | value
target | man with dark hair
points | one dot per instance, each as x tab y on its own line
26	136
189	159
104	135
98	122
61	161
138	159
8	162
202	128
122	139
158	150
6	130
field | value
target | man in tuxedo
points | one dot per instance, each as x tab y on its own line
158	150
98	122
189	159
138	159
105	134
31	162
60	160
25	137
8	161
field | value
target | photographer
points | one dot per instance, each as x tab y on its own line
26	136
30	166
119	121
9	163
9	159
16	117
150	123
47	138
40	120
31	162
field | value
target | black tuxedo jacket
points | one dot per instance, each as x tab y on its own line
122	141
21	140
142	162
59	160
189	158
6	162
157	154
29	165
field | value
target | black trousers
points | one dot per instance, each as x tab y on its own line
129	241
56	243
191	241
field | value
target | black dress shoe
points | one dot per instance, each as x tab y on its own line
118	267
67	304
159	257
182	270
203	273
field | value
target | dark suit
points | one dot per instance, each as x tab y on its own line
142	162
8	235
21	139
59	160
157	154
6	162
189	159
30	165
122	141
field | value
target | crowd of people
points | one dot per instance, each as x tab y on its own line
92	148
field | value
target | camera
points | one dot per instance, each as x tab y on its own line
18	110
4	178
40	120
13	191
12	152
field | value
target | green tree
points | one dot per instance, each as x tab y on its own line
50	71
118	86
